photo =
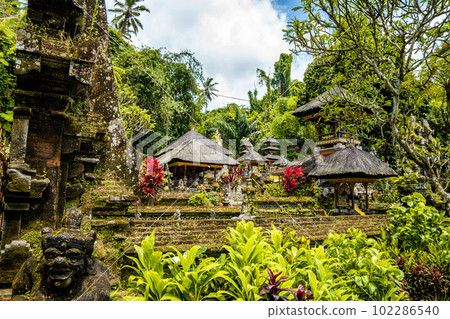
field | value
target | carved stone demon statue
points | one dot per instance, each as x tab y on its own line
65	270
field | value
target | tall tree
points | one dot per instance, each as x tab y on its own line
234	125
126	19
282	75
209	89
384	43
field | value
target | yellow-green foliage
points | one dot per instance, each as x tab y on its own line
343	268
34	238
275	189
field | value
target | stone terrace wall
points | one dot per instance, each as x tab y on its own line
211	233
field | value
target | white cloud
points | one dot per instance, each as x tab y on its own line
230	38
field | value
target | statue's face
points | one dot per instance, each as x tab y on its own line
63	265
64	260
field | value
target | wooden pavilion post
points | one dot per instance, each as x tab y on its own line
203	175
352	186
175	177
366	185
336	194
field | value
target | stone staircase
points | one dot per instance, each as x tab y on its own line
211	233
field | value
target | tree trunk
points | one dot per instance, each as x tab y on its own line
431	176
446	117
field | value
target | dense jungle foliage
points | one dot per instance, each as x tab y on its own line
409	262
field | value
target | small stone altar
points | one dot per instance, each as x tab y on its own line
65	270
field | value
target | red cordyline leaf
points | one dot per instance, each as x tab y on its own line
152	177
292	178
300	294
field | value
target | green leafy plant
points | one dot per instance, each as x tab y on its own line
417	226
199	200
149	282
194	281
275	189
318	271
243	283
373	276
246	244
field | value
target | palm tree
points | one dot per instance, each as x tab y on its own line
127	18
238	127
209	90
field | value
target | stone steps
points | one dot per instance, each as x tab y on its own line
211	233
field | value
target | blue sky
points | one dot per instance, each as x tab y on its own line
231	38
286	7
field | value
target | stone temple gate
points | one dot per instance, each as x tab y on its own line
66	115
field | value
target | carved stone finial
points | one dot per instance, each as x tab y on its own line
72	219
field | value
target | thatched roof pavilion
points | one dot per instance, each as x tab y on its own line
196	152
246	144
282	161
270	141
272	157
251	157
194	135
271	148
313	107
350	166
192	154
330	131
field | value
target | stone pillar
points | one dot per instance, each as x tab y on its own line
53	70
66	110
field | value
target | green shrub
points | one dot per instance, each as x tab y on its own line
199	200
192	278
418	226
276	190
373	275
206	199
149	282
214	198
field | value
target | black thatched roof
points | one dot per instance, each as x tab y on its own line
352	163
271	148
282	161
194	135
251	157
272	157
271	140
246	144
198	152
314	106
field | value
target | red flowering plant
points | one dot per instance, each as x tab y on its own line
231	178
151	178
293	178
